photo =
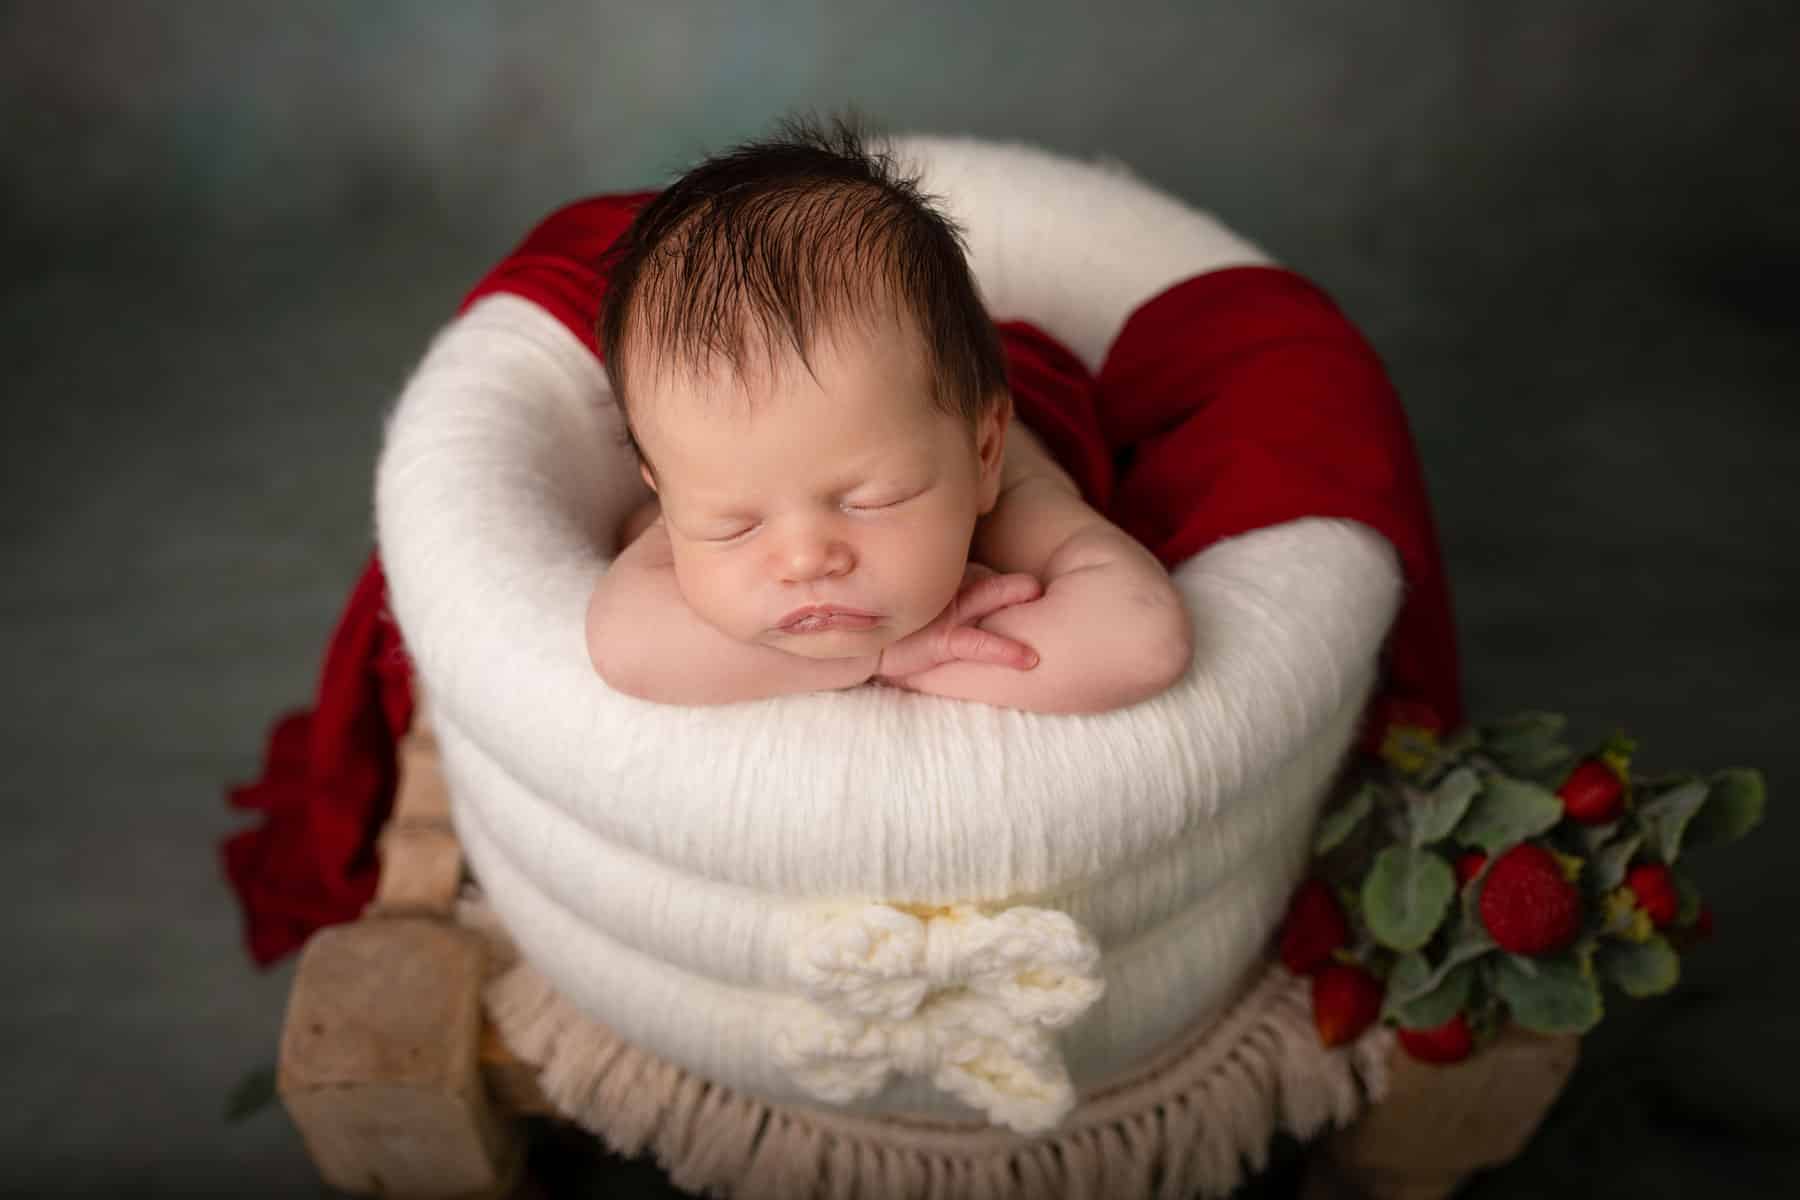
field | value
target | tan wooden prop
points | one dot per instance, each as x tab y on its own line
386	1064
1441	1124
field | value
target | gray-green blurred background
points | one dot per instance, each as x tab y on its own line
1572	229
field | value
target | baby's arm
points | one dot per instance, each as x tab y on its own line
645	641
1110	629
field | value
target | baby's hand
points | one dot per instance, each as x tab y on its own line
953	636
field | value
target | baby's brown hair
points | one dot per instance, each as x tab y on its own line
770	242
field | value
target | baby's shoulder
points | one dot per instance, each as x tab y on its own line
1026	458
1037	511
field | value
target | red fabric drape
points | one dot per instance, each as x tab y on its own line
327	785
1243	399
1231	402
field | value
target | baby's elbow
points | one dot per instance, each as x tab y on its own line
1168	646
610	670
609	654
620	670
1167	667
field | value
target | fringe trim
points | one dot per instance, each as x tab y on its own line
1185	1125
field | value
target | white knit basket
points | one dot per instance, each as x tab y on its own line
869	900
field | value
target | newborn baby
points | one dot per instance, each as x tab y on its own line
818	402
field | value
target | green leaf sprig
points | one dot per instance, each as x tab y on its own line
1408	845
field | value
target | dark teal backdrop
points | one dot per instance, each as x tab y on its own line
1573	230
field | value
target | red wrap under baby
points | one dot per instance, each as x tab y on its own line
1231	402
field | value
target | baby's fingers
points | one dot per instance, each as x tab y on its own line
994	592
985	646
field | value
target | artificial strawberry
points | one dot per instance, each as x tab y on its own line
1654	885
1447	1043
1468	866
1593	794
1346	1001
1314	927
1528	904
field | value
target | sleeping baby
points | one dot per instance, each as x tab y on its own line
818	402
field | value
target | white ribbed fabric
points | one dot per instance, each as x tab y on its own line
670	870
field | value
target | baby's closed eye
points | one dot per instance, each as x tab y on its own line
860	505
874	504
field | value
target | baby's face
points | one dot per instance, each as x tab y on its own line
843	487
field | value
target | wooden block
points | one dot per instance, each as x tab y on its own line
1439	1124
379	1062
512	1082
421	796
421	718
421	871
1464	1115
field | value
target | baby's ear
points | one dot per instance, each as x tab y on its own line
990	429
644	470
990	448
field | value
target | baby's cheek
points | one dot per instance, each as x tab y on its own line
935	586
715	601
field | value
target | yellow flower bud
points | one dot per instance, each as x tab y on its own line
1408	747
1570	864
1625	919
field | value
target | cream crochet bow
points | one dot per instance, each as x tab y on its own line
963	998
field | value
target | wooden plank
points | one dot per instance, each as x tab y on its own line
421	871
421	860
421	796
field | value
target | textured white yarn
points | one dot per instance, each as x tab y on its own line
1155	984
742	935
658	863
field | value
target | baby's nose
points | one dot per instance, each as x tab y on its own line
812	555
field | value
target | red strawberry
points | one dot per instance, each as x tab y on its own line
1593	794
1447	1043
1314	927
1346	1001
1468	866
1654	885
1528	904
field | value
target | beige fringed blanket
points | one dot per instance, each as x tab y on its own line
1187	1123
